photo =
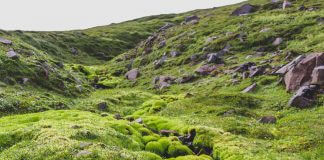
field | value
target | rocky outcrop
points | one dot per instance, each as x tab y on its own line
132	74
5	41
301	74
244	9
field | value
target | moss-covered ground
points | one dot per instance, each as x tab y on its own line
56	114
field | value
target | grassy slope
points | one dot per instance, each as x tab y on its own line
224	119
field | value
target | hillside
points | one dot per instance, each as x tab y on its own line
243	81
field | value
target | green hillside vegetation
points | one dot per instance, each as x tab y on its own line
66	95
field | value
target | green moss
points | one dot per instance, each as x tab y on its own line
176	149
155	147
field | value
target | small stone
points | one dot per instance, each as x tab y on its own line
74	51
139	120
175	53
118	116
103	106
76	127
250	88
83	153
264	30
85	144
268	120
277	42
104	115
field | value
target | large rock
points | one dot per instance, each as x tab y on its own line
256	71
318	76
301	74
132	74
290	65
206	69
244	9
304	97
5	41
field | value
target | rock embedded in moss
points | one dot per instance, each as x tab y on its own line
5	41
132	74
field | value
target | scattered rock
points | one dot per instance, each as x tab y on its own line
250	88
85	145
148	44
286	4
5	41
301	8
244	9
304	97
102	106
166	26
159	63
132	74
256	71
318	76
186	79
277	42
244	67
264	30
206	69
175	53
12	54
191	18
268	119
211	39
320	20
118	116
214	58
76	127
162	44
25	81
104	115
74	51
139	120
83	153
162	82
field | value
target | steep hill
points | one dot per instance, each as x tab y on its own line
243	81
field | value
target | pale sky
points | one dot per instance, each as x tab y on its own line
45	15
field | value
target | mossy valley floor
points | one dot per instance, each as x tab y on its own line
66	96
